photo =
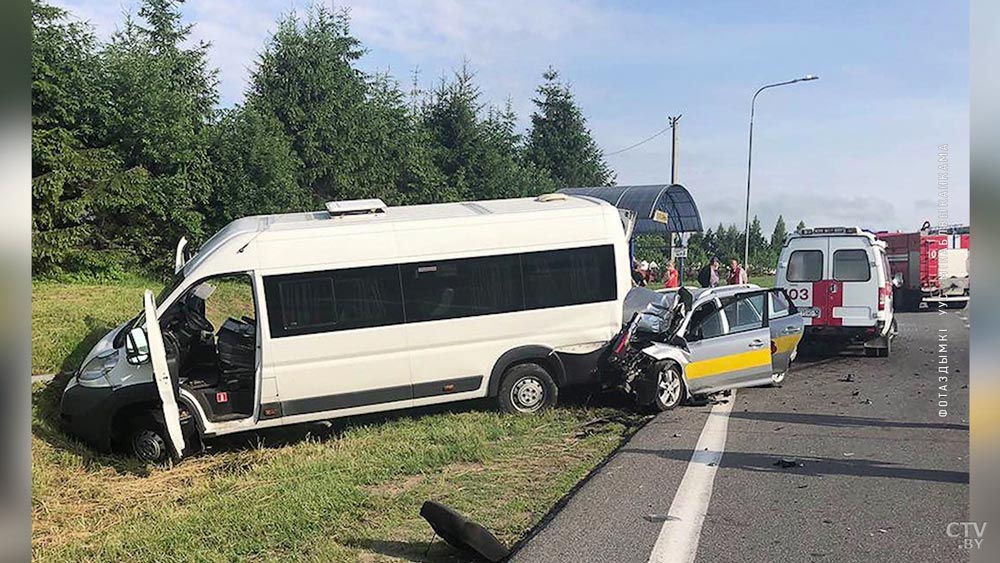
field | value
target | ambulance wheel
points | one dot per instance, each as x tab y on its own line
527	389
148	442
669	387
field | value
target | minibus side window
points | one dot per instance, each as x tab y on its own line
851	265
333	300
449	289
557	278
805	266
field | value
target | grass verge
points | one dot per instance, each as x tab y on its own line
352	493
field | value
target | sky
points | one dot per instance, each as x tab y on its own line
859	146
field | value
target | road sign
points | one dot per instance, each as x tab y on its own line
680	252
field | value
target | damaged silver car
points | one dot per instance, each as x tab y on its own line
684	343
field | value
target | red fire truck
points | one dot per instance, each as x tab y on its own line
934	264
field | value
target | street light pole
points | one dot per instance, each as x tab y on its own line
746	228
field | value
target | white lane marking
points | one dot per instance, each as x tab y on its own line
678	539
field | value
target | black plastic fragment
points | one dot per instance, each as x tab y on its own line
462	533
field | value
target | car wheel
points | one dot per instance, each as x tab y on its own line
669	387
527	389
148	443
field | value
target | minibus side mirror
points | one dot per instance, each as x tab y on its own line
137	346
897	280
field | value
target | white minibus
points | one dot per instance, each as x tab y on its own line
285	319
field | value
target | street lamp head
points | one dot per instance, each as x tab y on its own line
809	77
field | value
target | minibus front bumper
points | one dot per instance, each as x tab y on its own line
85	412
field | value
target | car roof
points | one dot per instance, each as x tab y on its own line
705	293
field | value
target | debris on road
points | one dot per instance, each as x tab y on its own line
656	518
788	462
849	378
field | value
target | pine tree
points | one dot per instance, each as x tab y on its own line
800	226
91	196
779	234
760	259
559	140
164	92
481	157
306	79
254	168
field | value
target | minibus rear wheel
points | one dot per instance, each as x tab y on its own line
527	389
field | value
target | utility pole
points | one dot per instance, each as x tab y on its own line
670	237
673	147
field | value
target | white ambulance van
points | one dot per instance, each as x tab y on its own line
360	308
838	278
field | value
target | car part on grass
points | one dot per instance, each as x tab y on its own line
462	533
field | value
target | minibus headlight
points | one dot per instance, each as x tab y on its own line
94	373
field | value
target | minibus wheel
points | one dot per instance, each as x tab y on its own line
147	442
526	389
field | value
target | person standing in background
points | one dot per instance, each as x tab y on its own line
737	274
670	275
708	275
637	279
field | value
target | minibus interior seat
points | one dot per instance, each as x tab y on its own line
219	369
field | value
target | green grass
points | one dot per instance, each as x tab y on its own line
67	319
303	494
352	495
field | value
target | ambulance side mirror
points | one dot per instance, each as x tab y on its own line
897	280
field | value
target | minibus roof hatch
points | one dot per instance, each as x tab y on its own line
355	207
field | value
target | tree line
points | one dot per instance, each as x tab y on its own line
130	150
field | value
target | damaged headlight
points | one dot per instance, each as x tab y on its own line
94	373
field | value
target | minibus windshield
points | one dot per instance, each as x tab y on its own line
119	339
170	287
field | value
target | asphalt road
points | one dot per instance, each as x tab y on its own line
875	473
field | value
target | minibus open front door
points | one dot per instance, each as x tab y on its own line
161	374
180	255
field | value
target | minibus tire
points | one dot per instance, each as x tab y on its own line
147	441
527	388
